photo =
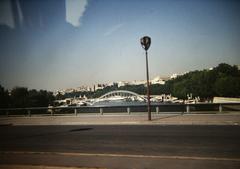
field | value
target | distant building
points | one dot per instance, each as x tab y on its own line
84	89
122	83
138	82
157	80
173	76
211	68
100	86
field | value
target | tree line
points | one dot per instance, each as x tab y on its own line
223	80
20	97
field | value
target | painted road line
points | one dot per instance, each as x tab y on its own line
123	155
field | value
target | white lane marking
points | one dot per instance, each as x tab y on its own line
124	155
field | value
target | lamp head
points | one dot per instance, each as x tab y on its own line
145	42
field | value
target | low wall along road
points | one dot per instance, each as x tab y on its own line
160	108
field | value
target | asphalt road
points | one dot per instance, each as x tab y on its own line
125	146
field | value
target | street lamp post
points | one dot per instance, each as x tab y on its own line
146	42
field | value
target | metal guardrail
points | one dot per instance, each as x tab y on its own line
158	108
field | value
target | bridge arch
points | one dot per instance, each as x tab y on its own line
122	93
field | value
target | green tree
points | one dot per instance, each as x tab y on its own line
225	69
19	97
22	97
180	89
158	89
139	89
4	98
40	98
222	80
227	86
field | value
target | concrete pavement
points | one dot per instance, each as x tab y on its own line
231	118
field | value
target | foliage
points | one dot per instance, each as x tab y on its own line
40	98
4	98
228	86
223	80
20	97
140	89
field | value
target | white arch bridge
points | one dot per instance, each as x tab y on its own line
120	95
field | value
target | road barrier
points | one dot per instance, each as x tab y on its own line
129	109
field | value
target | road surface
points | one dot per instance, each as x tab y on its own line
122	146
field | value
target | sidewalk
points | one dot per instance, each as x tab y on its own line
125	119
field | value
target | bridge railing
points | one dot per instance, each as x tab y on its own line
158	108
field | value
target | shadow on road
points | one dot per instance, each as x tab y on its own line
47	134
80	129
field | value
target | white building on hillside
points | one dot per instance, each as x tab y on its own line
157	80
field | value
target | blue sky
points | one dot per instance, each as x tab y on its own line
74	43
